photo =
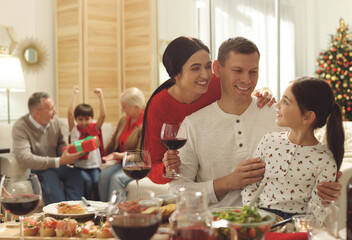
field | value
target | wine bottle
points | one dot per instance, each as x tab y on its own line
349	210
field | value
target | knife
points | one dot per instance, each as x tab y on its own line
281	223
84	200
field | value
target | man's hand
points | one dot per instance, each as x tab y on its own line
264	98
69	158
246	172
330	190
171	161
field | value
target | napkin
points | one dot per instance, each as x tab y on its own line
286	236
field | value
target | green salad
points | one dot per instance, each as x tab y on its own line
243	215
237	217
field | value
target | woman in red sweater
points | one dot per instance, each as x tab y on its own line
190	88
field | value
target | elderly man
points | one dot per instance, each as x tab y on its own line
38	143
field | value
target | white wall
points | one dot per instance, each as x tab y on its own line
316	20
30	18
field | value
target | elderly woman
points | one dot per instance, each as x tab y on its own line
126	137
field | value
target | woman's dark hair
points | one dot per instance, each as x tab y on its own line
175	56
83	110
313	94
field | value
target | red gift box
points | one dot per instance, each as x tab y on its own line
86	145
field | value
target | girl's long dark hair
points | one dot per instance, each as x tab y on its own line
175	56
313	94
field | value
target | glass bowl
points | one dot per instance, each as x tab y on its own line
244	231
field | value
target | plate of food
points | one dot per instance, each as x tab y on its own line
74	209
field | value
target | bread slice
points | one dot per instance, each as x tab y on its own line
47	227
65	208
104	230
89	230
30	226
66	227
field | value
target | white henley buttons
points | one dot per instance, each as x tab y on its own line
239	138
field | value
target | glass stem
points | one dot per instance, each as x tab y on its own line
137	189
173	172
21	227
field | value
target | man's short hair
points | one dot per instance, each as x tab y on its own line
36	99
236	45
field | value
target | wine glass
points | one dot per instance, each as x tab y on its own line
134	216
137	164
173	139
20	195
326	216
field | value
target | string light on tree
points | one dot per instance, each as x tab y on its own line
335	66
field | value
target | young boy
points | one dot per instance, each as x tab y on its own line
89	163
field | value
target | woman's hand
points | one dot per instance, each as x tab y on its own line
171	161
264	98
117	156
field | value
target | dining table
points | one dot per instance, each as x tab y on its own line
10	231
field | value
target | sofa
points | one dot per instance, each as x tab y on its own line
9	164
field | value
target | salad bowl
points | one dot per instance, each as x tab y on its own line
248	223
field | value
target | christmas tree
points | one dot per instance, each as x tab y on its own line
335	67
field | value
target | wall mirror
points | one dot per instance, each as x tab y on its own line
33	54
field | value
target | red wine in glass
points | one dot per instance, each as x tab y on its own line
137	164
128	217
20	195
174	144
136	226
193	233
137	172
20	204
173	139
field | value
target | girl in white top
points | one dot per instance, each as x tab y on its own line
295	160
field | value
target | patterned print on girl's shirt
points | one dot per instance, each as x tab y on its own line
292	173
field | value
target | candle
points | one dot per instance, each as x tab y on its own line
302	222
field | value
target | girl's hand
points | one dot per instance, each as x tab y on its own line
75	89
171	161
98	92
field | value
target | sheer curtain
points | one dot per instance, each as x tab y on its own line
256	20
